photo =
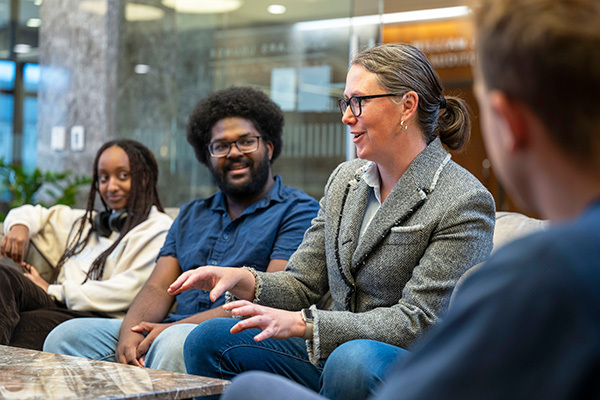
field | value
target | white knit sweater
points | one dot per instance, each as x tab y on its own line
127	267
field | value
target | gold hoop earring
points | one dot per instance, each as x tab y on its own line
403	126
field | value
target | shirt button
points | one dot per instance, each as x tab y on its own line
226	236
213	262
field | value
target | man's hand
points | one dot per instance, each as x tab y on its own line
34	276
15	243
279	324
217	280
153	330
126	352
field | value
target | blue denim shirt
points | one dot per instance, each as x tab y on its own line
203	234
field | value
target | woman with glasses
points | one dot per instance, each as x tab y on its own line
396	229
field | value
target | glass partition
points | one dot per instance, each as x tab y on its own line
7	84
170	64
137	68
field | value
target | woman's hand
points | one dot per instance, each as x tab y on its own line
35	277
217	280
279	324
15	243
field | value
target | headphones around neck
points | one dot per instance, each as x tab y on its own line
106	222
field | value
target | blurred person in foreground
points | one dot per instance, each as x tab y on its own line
525	326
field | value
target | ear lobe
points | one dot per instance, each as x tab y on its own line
514	114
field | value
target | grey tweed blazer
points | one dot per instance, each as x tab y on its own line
396	281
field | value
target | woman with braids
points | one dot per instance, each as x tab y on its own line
395	231
102	258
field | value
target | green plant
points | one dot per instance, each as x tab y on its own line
49	187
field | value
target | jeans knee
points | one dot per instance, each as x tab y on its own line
166	352
58	339
98	341
355	368
203	345
208	335
349	358
173	337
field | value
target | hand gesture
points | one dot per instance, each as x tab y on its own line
15	243
217	280
279	324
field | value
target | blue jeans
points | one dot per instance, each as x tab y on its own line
352	371
211	350
356	368
97	338
258	385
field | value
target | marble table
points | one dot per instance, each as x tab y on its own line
29	374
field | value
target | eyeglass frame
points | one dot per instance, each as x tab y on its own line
359	99
229	143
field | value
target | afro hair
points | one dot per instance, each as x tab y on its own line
244	102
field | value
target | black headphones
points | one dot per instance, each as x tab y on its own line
106	222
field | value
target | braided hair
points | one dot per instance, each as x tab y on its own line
142	196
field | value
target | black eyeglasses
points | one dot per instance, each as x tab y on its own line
355	102
245	144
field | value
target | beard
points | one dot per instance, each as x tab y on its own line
259	176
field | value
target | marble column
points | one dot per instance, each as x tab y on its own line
78	80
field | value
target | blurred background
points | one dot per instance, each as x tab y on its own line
76	73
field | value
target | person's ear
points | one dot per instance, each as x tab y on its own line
514	115
409	105
270	149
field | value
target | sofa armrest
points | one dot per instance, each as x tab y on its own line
509	226
33	257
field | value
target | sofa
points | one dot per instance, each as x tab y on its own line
509	226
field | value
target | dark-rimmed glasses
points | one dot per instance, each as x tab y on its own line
245	144
355	102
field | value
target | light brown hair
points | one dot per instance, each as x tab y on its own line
546	54
401	68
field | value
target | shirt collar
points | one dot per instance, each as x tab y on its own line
370	174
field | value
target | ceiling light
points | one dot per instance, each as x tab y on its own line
394	18
133	11
425	15
142	12
34	22
203	6
276	9
37	2
141	69
22	48
97	7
